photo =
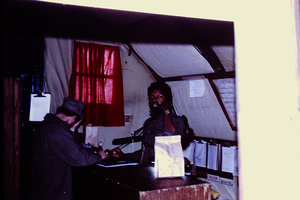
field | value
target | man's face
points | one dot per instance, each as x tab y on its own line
71	121
156	99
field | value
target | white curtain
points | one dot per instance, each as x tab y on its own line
58	68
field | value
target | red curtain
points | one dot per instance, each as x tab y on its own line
96	80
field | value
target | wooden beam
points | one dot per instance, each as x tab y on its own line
215	89
208	53
220	75
208	76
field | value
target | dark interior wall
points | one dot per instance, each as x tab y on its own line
22	53
27	67
22	57
100	24
22	44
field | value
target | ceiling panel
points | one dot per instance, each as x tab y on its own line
173	60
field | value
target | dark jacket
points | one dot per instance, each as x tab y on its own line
54	152
154	126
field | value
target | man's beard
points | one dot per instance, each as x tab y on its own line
155	111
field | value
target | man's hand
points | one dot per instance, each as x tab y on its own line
117	153
102	154
75	125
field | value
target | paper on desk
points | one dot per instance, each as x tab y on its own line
91	135
111	164
212	162
39	106
200	154
169	161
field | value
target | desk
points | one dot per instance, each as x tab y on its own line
135	182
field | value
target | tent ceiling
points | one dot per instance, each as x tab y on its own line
178	60
172	60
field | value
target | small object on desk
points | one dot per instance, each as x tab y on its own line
91	135
169	161
87	146
214	194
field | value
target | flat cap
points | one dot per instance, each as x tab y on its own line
75	106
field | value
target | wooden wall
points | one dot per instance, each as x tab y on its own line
11	138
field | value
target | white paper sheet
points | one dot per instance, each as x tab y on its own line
228	156
212	162
236	163
120	163
196	88
91	135
200	154
189	152
39	106
169	160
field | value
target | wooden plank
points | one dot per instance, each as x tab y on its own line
11	138
190	192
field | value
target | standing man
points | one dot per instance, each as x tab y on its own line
163	121
55	151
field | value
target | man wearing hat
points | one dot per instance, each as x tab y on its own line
55	151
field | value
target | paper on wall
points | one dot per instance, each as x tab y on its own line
39	106
196	88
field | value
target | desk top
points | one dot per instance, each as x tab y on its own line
136	182
139	178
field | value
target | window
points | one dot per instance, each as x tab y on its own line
96	80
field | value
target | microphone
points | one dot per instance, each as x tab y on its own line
134	133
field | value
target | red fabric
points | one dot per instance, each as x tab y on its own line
96	80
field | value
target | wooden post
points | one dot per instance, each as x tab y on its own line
11	138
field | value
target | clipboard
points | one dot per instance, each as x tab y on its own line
39	106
